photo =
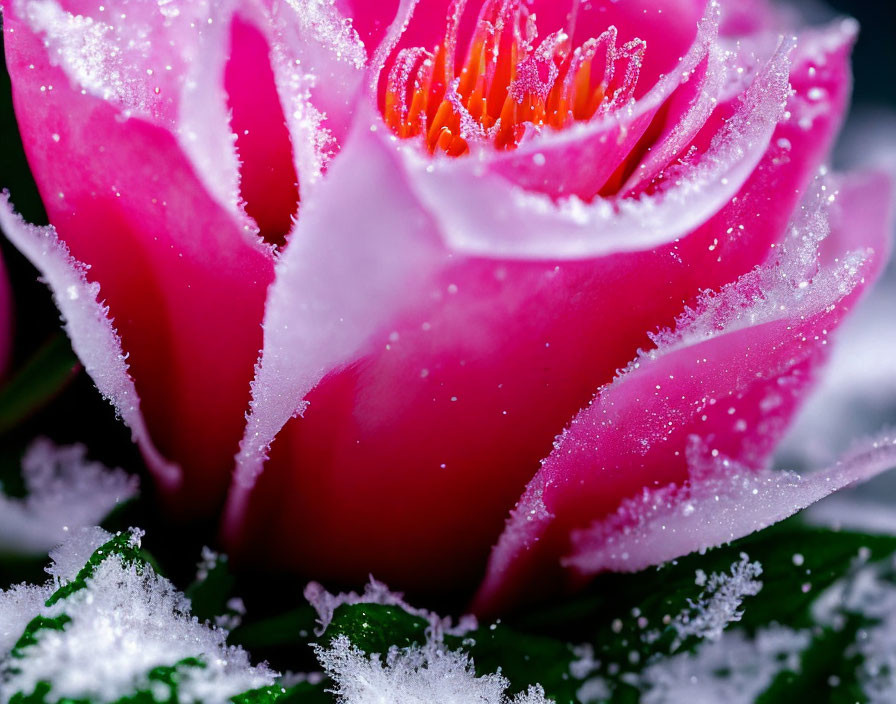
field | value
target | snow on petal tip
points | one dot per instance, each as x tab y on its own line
87	323
721	501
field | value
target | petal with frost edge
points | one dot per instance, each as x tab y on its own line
182	276
384	397
719	502
88	325
732	374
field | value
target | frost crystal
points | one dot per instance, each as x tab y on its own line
378	593
18	606
416	675
734	669
719	604
869	592
65	491
122	623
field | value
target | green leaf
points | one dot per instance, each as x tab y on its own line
628	620
209	595
302	693
36	383
120	546
374	628
291	628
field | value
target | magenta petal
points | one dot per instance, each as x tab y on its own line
333	291
319	64
87	322
268	181
719	502
732	374
482	214
452	378
579	160
181	272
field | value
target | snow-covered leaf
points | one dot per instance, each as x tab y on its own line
116	631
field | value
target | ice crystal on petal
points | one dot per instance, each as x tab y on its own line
65	491
415	675
318	62
720	502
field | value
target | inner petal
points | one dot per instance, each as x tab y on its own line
268	182
508	85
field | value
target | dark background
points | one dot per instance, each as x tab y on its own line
78	414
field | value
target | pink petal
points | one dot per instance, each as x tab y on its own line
182	274
746	17
719	502
484	215
268	181
155	65
319	64
580	159
521	345
333	291
87	322
732	374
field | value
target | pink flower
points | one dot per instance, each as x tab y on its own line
636	186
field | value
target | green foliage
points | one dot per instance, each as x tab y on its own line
627	619
210	594
620	625
37	382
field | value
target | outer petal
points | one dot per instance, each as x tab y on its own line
720	502
90	329
182	277
454	372
732	374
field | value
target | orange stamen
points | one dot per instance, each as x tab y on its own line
507	85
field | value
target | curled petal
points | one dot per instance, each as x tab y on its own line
719	502
183	276
87	322
732	373
500	220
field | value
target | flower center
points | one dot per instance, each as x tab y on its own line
508	87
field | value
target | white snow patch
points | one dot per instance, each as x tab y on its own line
126	621
18	605
65	491
869	591
429	674
734	669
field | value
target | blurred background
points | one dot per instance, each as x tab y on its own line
857	398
